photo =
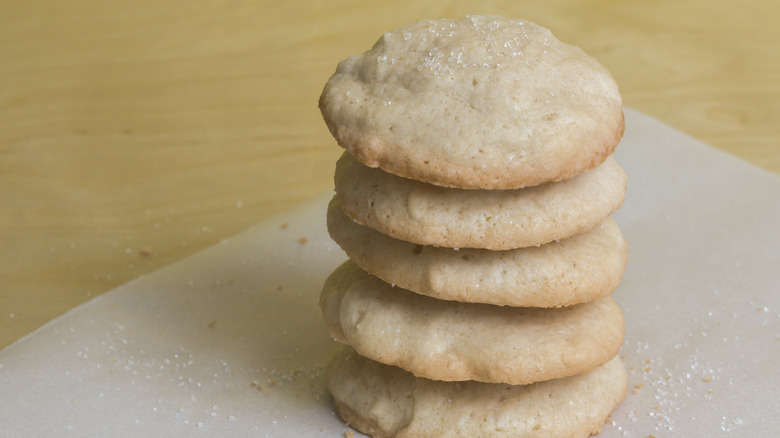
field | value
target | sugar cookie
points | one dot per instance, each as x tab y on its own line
387	402
483	102
493	219
448	340
575	270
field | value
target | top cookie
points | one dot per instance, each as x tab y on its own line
474	103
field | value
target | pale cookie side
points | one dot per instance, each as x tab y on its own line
447	340
475	103
581	268
387	402
426	214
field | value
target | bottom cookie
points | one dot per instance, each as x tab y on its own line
385	401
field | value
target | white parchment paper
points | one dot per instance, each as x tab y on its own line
230	342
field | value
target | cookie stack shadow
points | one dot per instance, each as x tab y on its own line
475	301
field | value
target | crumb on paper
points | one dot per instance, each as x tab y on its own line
284	226
212	323
706	379
145	252
638	387
349	434
303	240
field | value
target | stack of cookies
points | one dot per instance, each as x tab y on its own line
473	201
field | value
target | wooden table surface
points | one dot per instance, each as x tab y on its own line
134	134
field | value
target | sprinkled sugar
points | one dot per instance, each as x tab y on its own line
684	382
444	47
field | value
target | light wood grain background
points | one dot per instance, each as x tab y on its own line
133	134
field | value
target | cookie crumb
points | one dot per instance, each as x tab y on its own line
637	388
284	226
706	379
212	323
303	240
349	434
145	252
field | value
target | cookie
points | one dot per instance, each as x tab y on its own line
581	268
452	341
474	103
386	402
426	214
